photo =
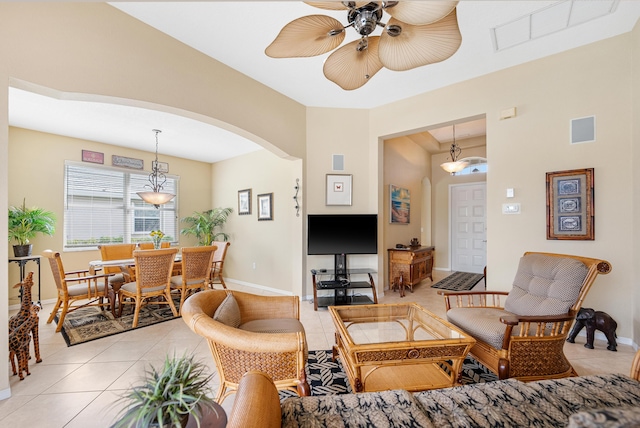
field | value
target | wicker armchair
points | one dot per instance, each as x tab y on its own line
218	263
196	267
521	333
278	348
153	279
76	289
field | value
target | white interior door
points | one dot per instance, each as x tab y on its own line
468	227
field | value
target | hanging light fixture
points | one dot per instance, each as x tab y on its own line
157	179
455	165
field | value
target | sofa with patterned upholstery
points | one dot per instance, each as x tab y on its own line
607	400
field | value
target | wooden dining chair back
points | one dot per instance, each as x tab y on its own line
75	289
218	263
149	245
153	279
116	252
196	270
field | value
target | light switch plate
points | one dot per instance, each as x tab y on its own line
510	193
511	208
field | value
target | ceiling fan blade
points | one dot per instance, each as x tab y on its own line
419	45
421	12
307	36
350	68
336	5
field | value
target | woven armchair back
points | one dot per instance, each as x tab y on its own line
154	267
196	263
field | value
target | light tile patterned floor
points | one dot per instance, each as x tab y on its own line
77	386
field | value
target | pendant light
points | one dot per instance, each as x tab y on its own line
455	165
156	196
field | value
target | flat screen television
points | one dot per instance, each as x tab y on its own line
340	235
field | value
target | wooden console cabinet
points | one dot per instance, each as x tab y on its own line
412	264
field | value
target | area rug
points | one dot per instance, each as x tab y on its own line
328	377
459	281
91	323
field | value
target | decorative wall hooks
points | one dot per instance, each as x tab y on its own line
295	197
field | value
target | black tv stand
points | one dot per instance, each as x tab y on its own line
342	287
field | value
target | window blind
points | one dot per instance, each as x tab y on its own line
101	207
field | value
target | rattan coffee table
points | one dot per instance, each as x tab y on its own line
398	346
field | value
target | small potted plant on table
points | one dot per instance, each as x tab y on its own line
170	396
25	224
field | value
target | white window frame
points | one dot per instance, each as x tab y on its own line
82	206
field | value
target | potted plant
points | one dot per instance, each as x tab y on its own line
25	223
169	396
203	225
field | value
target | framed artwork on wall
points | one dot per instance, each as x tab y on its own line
339	189
570	205
265	206
400	205
244	202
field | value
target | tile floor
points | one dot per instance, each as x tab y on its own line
77	386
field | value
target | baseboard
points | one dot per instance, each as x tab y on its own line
5	393
43	302
259	287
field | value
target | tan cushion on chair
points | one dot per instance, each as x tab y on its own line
274	325
481	323
545	285
79	289
228	312
132	288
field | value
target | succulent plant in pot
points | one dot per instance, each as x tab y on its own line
26	223
169	396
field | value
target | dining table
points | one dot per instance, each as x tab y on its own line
125	265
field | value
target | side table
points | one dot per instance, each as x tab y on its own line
22	262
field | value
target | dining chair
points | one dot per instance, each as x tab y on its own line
153	280
218	263
149	245
75	287
196	269
116	252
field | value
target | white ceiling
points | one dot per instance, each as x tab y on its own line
236	33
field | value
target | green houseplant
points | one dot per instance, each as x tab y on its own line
25	224
203	225
169	395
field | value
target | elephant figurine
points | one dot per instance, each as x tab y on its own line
594	320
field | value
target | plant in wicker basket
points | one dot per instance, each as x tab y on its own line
168	396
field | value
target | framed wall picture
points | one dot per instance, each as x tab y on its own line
339	189
244	202
265	206
163	167
399	204
570	205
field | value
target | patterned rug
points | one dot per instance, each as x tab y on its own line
327	377
91	323
459	281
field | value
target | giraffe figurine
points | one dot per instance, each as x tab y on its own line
19	340
25	314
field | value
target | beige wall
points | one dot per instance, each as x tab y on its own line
272	246
339	131
547	94
36	173
635	158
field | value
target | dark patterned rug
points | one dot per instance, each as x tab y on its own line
459	281
327	377
91	323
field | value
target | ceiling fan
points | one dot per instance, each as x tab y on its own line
417	34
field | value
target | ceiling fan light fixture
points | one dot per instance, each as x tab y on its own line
418	33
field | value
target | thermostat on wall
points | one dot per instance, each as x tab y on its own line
511	208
